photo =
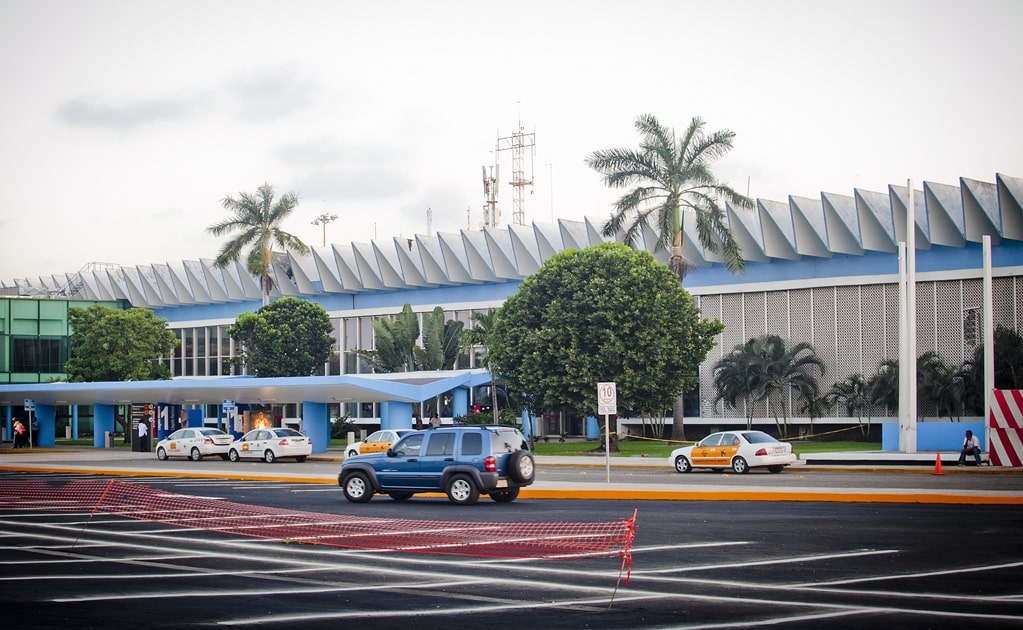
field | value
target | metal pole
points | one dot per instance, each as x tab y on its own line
607	447
989	342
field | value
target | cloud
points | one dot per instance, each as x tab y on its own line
354	185
83	112
272	94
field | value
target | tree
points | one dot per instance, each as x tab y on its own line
738	379
395	342
290	337
604	313
440	342
257	219
673	177
939	383
117	345
480	333
1008	368
763	368
855	394
884	385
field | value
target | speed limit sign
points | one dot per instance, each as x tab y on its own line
607	399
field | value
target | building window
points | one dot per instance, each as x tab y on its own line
39	355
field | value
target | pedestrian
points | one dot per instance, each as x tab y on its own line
19	434
434	420
144	436
971	446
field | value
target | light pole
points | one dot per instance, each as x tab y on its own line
323	220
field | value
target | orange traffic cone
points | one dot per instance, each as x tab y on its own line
937	466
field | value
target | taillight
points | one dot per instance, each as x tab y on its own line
490	464
207	440
762	452
283	442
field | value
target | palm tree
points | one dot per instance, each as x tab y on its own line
940	383
884	386
854	393
789	369
738	378
480	334
672	177
257	219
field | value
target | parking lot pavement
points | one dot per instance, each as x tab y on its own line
617	478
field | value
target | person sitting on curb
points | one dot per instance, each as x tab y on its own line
971	446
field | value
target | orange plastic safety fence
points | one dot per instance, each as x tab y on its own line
141	502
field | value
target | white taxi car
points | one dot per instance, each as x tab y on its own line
194	444
271	445
377	442
738	450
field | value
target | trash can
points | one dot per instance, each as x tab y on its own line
108	439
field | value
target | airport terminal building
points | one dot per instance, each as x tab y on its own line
822	270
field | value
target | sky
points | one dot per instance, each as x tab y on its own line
124	124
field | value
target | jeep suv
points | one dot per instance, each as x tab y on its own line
462	461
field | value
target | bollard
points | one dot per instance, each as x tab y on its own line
108	440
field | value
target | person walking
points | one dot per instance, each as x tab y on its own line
144	436
19	434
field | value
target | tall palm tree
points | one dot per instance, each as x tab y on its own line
855	394
787	370
738	378
672	176
257	219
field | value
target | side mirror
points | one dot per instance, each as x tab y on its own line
391	453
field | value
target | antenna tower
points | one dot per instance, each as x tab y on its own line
491	213
517	143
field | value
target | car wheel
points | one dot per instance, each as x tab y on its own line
775	469
682	464
505	496
352	453
522	467
269	457
462	491
400	496
195	455
233	455
300	459
356	488
161	454
740	466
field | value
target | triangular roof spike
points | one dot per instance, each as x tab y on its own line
502	254
1010	205
301	278
477	256
779	233
809	227
179	284
573	234
525	248
648	239
747	232
121	288
843	224
164	283
212	279
100	285
548	239
980	210
347	267
877	222
944	205
410	263
369	271
326	271
388	263
456	265
147	283
898	197
433	260
594	231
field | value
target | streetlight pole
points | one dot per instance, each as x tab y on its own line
323	220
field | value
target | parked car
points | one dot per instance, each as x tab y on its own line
738	450
194	444
376	442
462	461
271	445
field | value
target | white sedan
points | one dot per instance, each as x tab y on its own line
738	450
377	442
194	444
271	445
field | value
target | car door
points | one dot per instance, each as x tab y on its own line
438	453
401	468
376	443
703	452
175	442
251	441
727	447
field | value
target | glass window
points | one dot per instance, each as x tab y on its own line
472	443
441	444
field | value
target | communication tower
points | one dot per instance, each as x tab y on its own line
517	143
491	213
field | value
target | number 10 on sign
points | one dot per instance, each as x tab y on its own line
607	404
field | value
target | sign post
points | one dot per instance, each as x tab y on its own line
607	404
30	406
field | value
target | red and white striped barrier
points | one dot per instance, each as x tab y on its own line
1006	428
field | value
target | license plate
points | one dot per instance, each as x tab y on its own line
502	483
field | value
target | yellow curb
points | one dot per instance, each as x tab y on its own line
738	495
